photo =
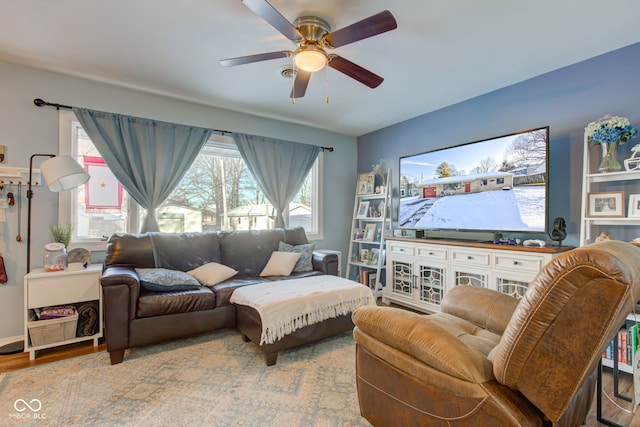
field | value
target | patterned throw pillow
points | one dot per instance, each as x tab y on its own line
306	255
163	280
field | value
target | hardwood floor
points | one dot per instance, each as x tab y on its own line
13	362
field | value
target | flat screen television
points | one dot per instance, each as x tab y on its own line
495	185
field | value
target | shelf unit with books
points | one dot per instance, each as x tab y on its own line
370	225
622	348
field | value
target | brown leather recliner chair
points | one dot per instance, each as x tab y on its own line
490	360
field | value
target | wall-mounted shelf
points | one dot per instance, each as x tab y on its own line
14	176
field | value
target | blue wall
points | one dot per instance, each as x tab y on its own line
566	100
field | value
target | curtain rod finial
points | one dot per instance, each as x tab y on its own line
39	102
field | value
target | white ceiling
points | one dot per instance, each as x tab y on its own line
442	52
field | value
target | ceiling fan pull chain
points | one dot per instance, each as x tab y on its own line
326	85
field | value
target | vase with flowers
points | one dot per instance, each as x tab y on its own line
609	132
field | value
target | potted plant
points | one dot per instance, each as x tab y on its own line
62	234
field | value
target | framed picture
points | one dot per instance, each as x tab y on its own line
634	206
369	233
606	204
366	183
364	253
372	281
363	209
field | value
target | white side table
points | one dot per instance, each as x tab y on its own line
48	288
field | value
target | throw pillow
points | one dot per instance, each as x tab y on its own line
306	255
212	273
280	264
162	280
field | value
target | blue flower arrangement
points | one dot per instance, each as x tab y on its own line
610	129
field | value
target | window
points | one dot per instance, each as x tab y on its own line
217	193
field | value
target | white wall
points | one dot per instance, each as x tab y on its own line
26	129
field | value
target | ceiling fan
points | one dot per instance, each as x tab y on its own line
313	37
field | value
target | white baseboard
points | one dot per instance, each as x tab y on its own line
5	341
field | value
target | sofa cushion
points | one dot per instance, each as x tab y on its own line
224	290
212	273
162	303
185	251
280	264
129	250
306	255
248	251
295	236
162	280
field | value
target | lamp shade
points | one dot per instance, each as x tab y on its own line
62	173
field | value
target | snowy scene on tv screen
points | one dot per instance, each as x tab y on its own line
493	185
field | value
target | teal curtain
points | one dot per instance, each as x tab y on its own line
279	167
148	157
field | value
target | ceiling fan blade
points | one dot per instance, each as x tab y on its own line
368	27
300	84
263	9
355	71
230	62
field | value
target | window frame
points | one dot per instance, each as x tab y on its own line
66	209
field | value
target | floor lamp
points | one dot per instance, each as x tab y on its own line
60	173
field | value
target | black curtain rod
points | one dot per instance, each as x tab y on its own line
42	103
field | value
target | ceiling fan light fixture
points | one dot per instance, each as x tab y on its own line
310	59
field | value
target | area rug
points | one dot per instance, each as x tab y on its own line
214	380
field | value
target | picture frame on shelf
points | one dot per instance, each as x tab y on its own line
372	281
363	209
363	255
366	183
634	206
376	255
369	233
606	205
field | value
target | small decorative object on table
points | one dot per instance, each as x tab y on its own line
62	234
79	255
603	237
55	257
609	132
633	162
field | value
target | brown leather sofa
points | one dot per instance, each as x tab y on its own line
134	316
489	360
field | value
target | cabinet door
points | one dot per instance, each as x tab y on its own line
470	267
430	283
514	285
400	276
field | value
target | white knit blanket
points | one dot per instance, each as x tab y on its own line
287	305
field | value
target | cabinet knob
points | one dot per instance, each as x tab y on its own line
430	253
515	263
469	257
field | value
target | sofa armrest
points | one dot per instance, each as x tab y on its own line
120	291
325	262
486	308
422	338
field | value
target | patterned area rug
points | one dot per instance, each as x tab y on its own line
214	380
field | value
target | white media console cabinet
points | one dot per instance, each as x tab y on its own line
420	271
